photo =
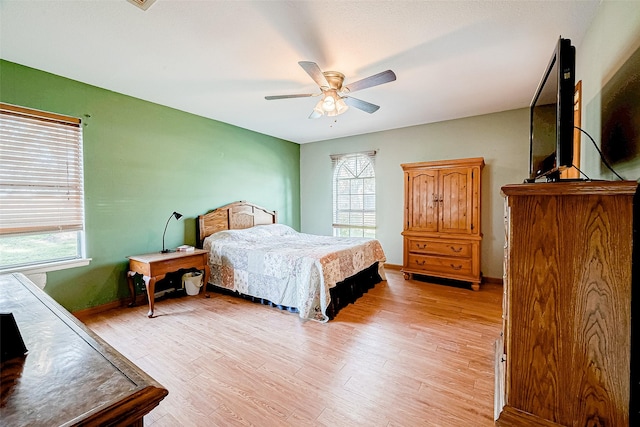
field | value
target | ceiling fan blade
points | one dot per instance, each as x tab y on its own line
315	72
315	114
375	80
361	105
300	95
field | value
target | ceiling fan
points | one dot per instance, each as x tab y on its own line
335	99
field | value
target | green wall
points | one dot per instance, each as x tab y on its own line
143	161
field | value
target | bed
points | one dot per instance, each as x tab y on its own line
252	256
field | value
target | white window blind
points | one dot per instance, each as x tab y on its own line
354	194
41	182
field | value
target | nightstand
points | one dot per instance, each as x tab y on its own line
155	266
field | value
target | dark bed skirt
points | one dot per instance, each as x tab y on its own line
352	288
343	294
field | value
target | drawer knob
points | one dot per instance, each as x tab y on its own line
454	249
420	262
423	246
456	267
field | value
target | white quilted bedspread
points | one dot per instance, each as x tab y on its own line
276	263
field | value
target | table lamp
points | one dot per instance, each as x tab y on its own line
178	216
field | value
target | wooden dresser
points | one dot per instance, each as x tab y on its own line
442	232
69	376
564	357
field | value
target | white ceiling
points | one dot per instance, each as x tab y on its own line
219	59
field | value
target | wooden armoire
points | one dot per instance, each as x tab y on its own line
565	356
442	233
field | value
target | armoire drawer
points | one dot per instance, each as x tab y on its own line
447	265
436	247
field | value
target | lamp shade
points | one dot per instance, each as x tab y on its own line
328	103
341	106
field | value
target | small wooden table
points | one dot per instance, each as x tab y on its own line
70	376
155	266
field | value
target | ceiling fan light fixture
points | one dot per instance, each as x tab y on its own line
331	105
328	103
341	106
332	102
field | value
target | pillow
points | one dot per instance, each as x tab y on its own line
259	232
271	230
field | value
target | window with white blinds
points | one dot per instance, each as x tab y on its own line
41	187
354	195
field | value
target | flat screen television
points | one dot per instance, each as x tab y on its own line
551	120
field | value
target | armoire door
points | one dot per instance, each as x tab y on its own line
455	187
422	188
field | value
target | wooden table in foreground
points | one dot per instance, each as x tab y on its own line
155	266
70	376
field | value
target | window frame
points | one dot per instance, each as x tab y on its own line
47	127
367	224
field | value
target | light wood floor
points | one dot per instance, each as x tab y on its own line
408	353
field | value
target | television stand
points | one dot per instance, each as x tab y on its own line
568	350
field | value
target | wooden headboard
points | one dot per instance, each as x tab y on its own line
234	216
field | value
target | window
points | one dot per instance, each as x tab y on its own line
354	195
41	188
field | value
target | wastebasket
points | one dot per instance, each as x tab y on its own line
192	282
